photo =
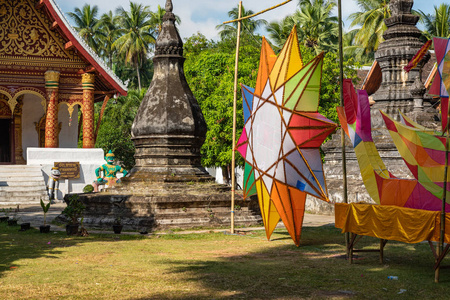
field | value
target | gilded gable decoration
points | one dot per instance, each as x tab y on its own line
5	111
70	98
23	32
71	107
26	90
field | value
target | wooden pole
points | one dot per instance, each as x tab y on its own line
444	199
233	155
341	84
254	15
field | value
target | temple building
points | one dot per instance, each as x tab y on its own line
49	80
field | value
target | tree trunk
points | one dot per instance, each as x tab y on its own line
226	175
138	76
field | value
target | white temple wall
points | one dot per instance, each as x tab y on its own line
32	112
89	159
68	136
217	174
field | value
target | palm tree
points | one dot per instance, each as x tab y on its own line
110	29
137	35
358	52
87	24
249	25
437	24
371	19
157	18
279	31
317	27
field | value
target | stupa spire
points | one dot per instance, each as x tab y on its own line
169	127
169	6
169	41
401	43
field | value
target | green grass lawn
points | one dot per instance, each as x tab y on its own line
211	266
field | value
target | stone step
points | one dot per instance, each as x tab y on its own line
20	174
21	184
187	216
164	222
24	182
19	188
20	201
191	214
4	173
19	167
23	194
35	177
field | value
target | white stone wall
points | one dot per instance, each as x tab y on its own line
33	111
89	159
217	173
68	137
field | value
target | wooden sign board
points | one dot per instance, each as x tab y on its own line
69	169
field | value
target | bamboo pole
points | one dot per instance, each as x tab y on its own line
444	199
254	15
233	155
341	84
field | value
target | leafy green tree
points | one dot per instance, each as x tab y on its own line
278	32
196	43
115	129
370	18
128	74
87	24
437	24
317	27
109	27
210	74
355	50
137	35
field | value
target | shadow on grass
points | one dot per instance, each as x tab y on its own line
31	244
315	270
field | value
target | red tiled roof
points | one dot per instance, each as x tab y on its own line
107	77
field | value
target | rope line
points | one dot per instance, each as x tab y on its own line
261	12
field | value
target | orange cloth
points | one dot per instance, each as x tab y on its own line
390	222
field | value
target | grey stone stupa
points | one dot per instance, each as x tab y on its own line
169	128
168	187
399	47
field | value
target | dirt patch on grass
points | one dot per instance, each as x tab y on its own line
332	295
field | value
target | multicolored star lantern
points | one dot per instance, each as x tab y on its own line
282	135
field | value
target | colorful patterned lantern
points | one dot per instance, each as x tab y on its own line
282	135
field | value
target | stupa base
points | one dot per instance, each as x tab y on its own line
168	205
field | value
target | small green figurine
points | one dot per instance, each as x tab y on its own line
109	172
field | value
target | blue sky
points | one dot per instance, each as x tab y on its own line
204	15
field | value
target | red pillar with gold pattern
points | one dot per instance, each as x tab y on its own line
88	110
51	123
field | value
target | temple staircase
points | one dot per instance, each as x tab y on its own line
21	184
